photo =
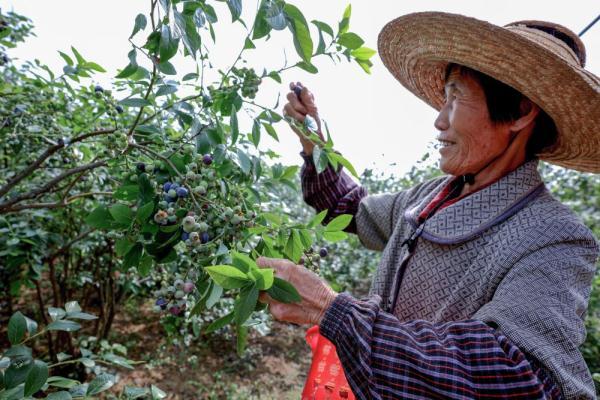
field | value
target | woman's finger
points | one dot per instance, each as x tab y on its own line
295	102
289	110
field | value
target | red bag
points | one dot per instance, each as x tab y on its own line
326	379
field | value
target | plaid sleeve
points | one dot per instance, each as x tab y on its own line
330	190
384	358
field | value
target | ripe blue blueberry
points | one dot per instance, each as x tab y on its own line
207	159
161	302
185	236
141	167
98	89
323	252
204	238
181	192
298	90
119	109
167	186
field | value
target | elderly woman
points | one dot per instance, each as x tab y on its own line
484	279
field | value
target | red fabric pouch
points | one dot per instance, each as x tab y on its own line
326	379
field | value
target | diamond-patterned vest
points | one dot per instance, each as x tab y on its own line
510	255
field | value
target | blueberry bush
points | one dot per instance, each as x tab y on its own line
152	187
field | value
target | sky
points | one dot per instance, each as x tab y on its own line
374	121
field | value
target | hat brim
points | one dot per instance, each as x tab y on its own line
416	48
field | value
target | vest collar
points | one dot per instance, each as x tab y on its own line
480	210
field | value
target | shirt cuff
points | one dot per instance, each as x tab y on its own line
333	320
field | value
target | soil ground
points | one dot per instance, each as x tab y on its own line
274	366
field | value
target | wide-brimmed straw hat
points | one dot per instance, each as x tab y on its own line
417	48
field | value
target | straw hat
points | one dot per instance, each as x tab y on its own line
416	48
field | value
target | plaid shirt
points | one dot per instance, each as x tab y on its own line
386	357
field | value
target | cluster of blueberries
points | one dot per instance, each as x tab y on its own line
172	298
99	90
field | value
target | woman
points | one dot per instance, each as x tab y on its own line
484	278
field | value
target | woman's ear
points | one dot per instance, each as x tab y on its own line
529	111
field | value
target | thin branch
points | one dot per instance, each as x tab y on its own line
52	183
60	204
45	155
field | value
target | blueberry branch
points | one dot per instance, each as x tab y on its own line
7	205
44	156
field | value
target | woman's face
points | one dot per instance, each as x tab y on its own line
468	138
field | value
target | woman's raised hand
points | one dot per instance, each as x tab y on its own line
301	103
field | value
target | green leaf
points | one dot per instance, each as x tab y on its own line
64	383
100	384
17	326
340	159
256	132
145	265
146	188
290	172
293	248
62	395
56	313
72	306
235	6
78	56
126	192
132	258
284	291
140	24
135	102
100	218
145	212
36	378
338	223
345	22
335	236
63	325
245	163
166	90
323	27
168	44
122	246
245	303
275	76
219	323
81	315
166	68
31	326
227	276
264	278
16	375
317	219
248	44
242	262
271	131
94	66
363	53
233	123
157	393
126	72
261	27
242	339
67	59
350	40
308	67
121	213
365	65
300	31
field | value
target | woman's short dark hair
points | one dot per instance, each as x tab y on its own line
504	105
